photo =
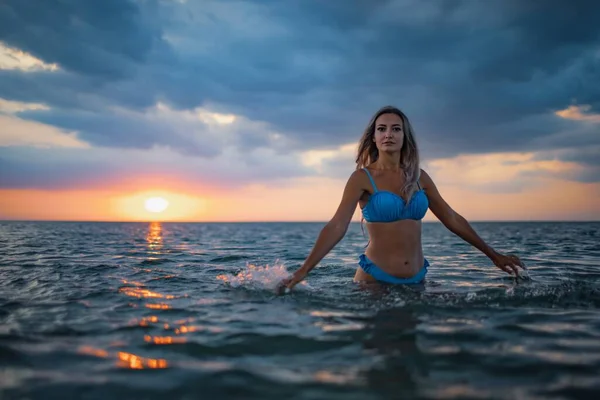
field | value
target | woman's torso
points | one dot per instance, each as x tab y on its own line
394	224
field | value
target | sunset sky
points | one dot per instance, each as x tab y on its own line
252	110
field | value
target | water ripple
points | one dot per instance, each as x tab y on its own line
101	310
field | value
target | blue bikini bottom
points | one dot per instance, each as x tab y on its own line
370	268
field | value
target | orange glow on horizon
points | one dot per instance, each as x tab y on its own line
158	206
480	187
97	205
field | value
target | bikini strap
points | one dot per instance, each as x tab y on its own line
371	179
419	185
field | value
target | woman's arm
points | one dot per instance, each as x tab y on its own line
333	231
458	225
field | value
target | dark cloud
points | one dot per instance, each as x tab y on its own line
102	39
587	157
473	76
31	168
457	56
68	91
74	168
587	174
131	130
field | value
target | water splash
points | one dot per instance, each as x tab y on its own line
265	277
523	274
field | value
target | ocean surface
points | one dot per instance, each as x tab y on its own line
188	311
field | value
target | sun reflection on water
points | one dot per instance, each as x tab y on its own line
154	237
126	360
131	361
175	332
144	293
158	306
145	321
339	378
91	351
164	339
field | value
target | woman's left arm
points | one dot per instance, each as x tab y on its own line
458	225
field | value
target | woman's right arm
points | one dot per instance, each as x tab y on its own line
333	231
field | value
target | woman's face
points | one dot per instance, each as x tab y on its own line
389	133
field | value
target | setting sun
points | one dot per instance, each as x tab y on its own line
156	204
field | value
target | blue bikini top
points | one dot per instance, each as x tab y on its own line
386	206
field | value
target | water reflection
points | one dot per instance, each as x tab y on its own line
126	360
144	293
158	306
154	238
348	377
145	321
392	334
92	351
131	361
164	339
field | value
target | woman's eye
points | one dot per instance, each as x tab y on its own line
397	129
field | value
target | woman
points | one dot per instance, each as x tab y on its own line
394	195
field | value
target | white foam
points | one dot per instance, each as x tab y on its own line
524	273
259	277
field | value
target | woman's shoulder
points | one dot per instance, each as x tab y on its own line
424	179
357	175
359	178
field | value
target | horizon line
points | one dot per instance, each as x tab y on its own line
277	222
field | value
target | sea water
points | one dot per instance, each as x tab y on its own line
186	311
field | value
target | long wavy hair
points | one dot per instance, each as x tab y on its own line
409	154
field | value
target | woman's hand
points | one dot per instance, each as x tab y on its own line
289	283
507	263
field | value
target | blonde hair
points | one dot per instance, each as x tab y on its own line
409	154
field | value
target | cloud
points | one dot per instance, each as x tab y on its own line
579	113
123	128
11	107
510	172
588	156
78	168
17	132
585	163
11	58
302	76
107	40
199	131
